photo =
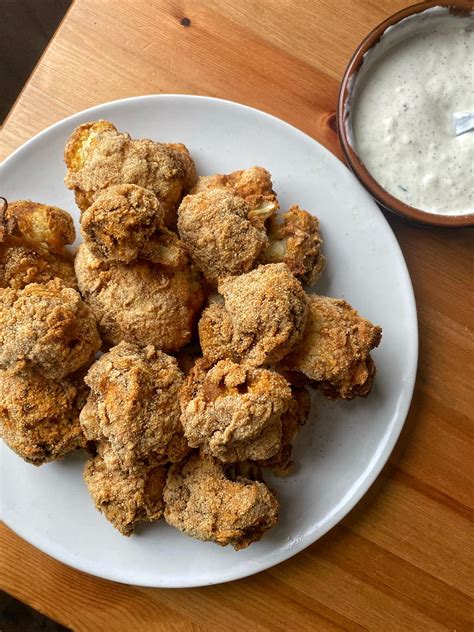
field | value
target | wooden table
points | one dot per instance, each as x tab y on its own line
401	560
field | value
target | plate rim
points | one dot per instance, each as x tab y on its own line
380	460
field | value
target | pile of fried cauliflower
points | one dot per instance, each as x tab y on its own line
194	290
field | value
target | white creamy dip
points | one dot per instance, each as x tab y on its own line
409	86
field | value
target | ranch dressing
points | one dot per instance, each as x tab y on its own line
405	95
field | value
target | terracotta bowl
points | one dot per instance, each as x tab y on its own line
382	196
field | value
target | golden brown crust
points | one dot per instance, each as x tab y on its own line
39	418
133	406
291	421
203	503
357	382
267	309
140	302
218	235
246	183
263	316
126	223
215	333
33	240
125	498
334	351
233	412
98	156
253	185
294	239
22	264
80	141
47	327
48	226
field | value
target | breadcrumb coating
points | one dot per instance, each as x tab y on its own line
245	183
125	498
133	406
203	503
334	351
234	412
33	240
39	417
253	185
294	239
46	327
291	421
140	302
215	333
49	227
218	235
126	223
266	311
98	156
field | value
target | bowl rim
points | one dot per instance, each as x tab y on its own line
381	195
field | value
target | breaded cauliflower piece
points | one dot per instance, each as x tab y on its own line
218	235
98	156
133	406
291	421
246	183
294	239
46	327
232	412
125	498
126	223
334	351
253	185
264	316
141	302
33	240
39	417
202	502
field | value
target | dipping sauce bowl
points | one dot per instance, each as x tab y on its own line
365	58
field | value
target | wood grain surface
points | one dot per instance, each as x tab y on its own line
403	559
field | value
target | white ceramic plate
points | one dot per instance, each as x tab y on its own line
343	447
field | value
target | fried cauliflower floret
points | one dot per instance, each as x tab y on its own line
39	417
268	310
98	156
133	406
33	240
234	412
218	235
49	227
294	239
334	351
291	421
140	302
46	327
126	223
246	183
203	503
253	185
125	498
263	317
